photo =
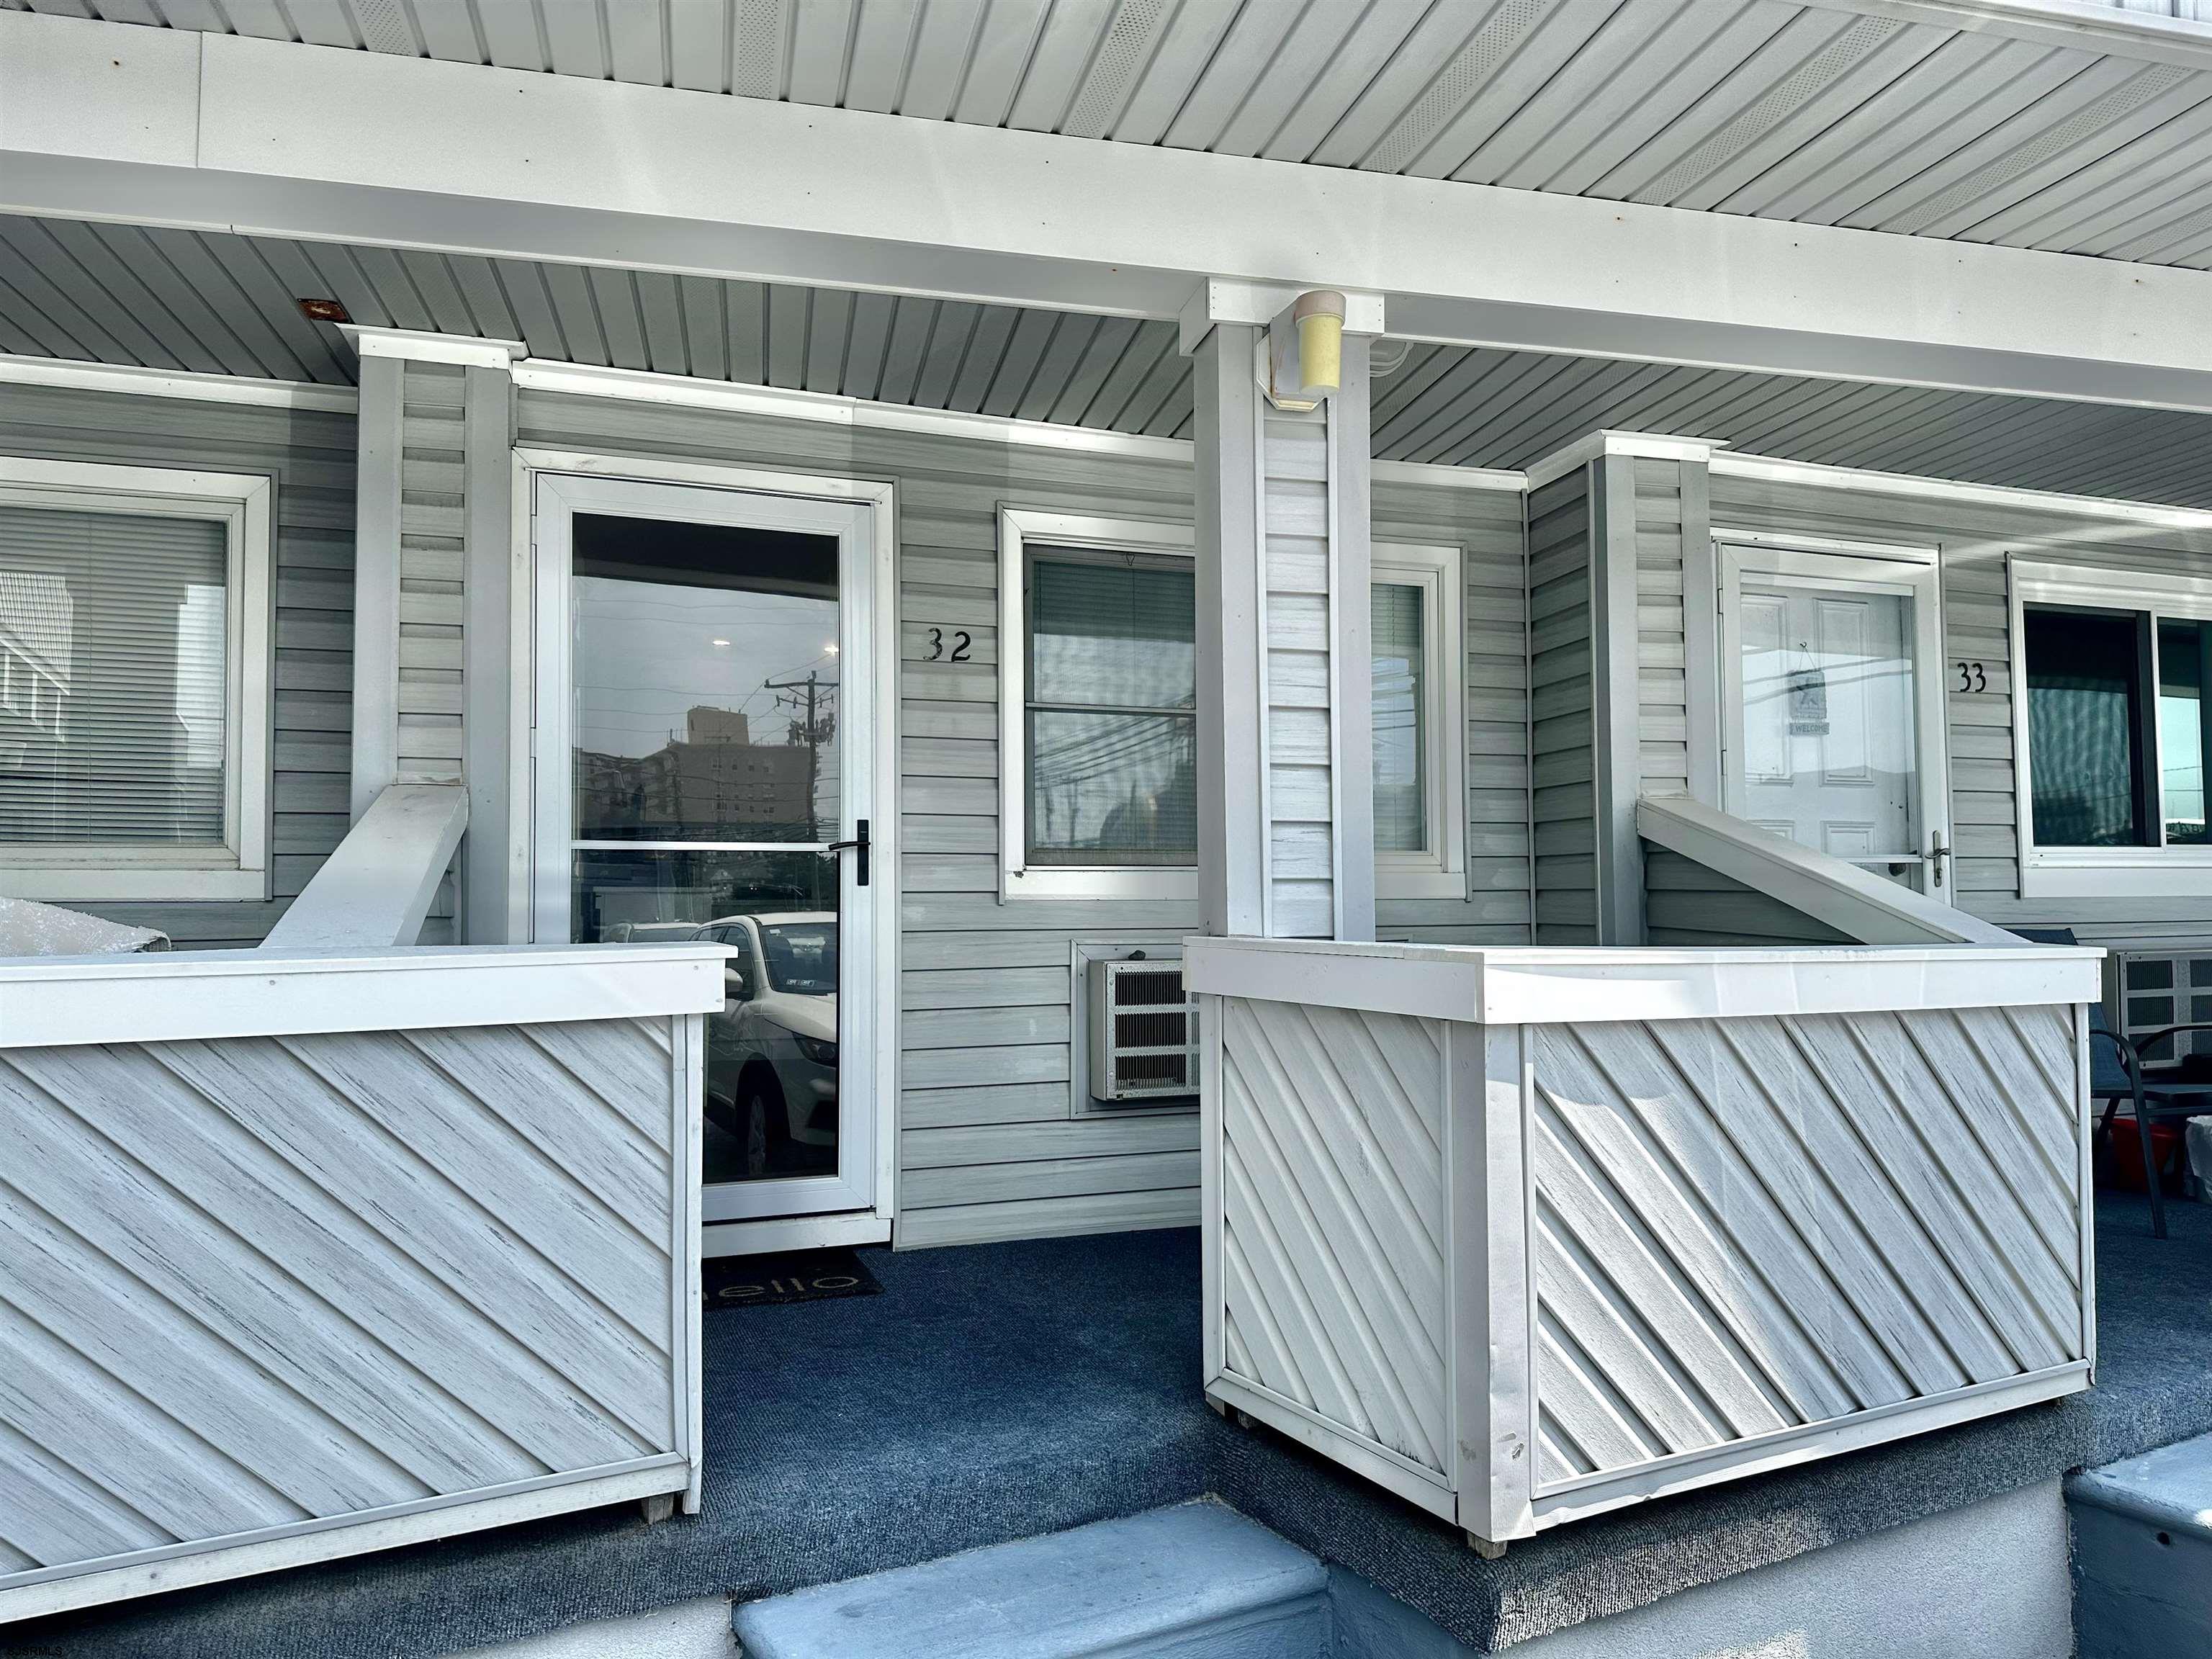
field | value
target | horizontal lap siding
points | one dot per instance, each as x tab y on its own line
432	504
988	1145
1663	721
1302	889
1485	526
1686	903
310	455
1975	540
1563	801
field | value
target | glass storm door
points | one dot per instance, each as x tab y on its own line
1834	706
704	764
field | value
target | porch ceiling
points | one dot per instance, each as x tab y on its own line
2084	128
214	303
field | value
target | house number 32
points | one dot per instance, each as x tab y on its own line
960	643
1971	677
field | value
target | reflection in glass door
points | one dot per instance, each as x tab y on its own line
694	647
1834	718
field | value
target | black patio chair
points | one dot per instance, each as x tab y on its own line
2117	1074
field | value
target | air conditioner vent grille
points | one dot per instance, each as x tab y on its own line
1144	1033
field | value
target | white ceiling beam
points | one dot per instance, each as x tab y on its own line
231	133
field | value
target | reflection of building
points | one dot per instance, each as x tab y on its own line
714	775
35	618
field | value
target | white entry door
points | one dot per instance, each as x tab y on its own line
707	749
1834	705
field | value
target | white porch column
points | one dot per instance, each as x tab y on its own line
1286	801
434	594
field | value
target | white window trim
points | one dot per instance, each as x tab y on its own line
1440	871
238	869
1019	529
1436	569
2097	871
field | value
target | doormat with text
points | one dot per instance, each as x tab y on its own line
741	1281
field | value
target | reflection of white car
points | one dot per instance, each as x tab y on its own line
772	1052
650	932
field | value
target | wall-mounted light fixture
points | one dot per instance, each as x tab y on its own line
1305	350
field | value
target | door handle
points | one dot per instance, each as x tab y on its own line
1936	853
858	844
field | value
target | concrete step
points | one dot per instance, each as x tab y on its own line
1195	1582
2142	1554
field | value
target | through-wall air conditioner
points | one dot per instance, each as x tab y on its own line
1144	1032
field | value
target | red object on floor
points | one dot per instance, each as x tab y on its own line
2127	1170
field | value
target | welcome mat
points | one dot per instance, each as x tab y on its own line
748	1281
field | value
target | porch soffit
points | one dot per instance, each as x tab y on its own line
2075	128
209	302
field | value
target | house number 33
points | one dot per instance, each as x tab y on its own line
960	643
1972	677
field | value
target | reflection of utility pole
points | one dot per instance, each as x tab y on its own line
811	728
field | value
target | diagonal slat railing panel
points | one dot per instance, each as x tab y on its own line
1830	1202
1576	1403
314	1304
1313	1375
507	1074
53	1514
1941	1069
155	1348
1318	1107
304	1254
1296	1218
1959	1334
1401	1224
1941	1180
1574	1287
1650	1114
427	1212
131	1444
1703	1348
1262	1352
325	1278
573	1244
1671	1107
1701	1214
1592	1125
603	1057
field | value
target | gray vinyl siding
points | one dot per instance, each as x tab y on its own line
989	1147
1687	904
1563	777
1301	851
1485	526
1662	684
1975	540
433	506
310	455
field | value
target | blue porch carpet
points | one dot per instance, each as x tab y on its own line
998	1391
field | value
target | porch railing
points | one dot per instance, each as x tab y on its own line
306	1255
1527	1234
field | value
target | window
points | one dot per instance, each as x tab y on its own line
134	677
2114	741
1098	712
1418	704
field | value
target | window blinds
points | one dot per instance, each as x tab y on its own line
113	631
1112	713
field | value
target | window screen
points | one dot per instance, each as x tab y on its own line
1400	693
112	678
1112	709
